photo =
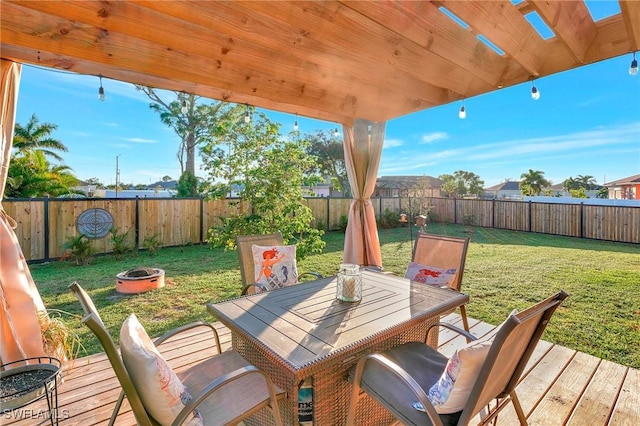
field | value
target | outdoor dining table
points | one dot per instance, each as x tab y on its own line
303	331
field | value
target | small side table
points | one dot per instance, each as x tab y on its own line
28	380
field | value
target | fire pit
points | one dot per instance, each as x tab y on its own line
139	280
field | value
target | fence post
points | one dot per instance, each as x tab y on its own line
136	226
328	213
582	220
46	228
201	219
455	210
493	213
530	202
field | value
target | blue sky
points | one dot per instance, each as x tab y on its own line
586	122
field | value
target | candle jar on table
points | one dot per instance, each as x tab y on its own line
349	287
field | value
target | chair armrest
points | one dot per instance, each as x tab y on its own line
470	337
224	380
171	333
246	288
316	275
388	364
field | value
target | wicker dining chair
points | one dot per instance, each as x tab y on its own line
245	256
447	253
407	378
226	388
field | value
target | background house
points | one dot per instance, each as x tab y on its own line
624	189
399	186
505	190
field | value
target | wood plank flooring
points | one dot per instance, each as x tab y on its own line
560	386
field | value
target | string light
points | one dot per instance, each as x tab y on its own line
295	124
101	91
462	114
184	109
633	69
247	115
535	94
336	133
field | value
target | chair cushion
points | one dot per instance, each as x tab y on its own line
429	274
160	389
451	392
275	266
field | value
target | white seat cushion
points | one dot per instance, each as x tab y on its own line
429	274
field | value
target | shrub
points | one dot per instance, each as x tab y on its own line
151	244
121	245
80	249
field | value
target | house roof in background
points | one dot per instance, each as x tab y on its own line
509	185
635	179
406	182
330	60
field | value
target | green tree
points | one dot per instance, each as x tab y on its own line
195	122
449	186
37	137
329	152
187	185
268	172
578	193
532	182
30	175
587	182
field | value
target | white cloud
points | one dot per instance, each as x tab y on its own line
140	140
393	143
432	137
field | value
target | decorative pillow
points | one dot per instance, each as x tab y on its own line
451	392
429	274
275	266
160	390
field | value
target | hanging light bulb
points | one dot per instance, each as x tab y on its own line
535	94
633	69
336	133
462	114
101	91
295	124
184	108
247	115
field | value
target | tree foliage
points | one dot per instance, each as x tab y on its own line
195	122
532	182
329	153
586	182
30	174
461	183
267	172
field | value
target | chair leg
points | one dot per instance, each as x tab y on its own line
518	408
465	321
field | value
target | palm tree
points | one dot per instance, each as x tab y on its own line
587	182
531	183
36	137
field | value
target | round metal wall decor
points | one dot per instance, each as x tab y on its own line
95	223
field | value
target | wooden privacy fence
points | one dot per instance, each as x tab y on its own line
44	225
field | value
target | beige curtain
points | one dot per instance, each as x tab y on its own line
362	150
20	335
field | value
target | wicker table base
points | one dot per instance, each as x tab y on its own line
331	387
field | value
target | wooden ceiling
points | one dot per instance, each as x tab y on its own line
331	60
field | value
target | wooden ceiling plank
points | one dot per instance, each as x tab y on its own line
332	27
571	22
255	36
123	17
613	40
84	41
631	13
424	24
503	24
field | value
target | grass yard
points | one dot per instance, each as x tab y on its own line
505	270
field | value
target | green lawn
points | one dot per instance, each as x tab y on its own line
504	270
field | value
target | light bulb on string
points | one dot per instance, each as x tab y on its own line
462	114
295	123
247	115
101	91
535	94
336	132
633	69
184	108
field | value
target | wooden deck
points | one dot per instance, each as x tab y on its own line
560	386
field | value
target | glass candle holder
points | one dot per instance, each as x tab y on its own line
349	287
